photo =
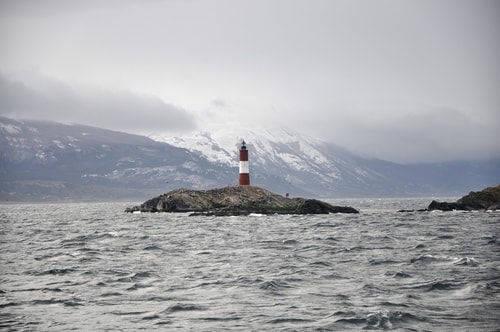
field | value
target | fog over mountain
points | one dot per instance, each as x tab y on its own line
53	100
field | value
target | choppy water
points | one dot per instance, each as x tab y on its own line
92	267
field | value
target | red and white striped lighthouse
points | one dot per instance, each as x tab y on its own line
244	179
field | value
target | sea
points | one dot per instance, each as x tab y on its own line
93	267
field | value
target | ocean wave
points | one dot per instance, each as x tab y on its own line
382	261
289	320
183	307
111	294
320	263
274	285
282	273
492	240
390	319
424	259
445	237
53	256
399	274
137	286
127	313
429	258
382	320
65	302
153	247
55	271
219	319
439	285
466	261
10	304
16	322
135	277
326	224
83	240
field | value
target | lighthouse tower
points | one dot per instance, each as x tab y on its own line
244	179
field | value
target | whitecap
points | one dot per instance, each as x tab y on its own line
465	261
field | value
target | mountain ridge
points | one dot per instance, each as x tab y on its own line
44	161
328	169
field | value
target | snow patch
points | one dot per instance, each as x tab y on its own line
59	144
10	129
277	152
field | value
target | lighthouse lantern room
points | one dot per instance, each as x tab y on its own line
244	179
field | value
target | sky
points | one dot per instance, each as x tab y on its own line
408	81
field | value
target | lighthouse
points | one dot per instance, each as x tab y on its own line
244	179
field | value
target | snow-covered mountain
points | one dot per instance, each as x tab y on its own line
53	161
283	159
286	161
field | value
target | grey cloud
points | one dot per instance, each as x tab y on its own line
426	135
120	110
219	103
369	75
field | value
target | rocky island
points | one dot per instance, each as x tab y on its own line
487	199
236	200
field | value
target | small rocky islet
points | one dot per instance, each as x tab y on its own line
486	199
235	201
245	200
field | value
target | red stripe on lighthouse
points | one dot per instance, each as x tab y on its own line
243	155
244	179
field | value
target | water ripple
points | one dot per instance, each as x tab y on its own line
92	267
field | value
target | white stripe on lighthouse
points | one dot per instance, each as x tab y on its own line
244	167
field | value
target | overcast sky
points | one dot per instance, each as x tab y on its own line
407	81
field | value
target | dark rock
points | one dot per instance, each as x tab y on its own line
231	201
445	206
314	206
487	199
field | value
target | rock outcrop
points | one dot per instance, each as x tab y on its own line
230	201
487	199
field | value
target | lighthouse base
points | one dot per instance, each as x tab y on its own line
244	179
